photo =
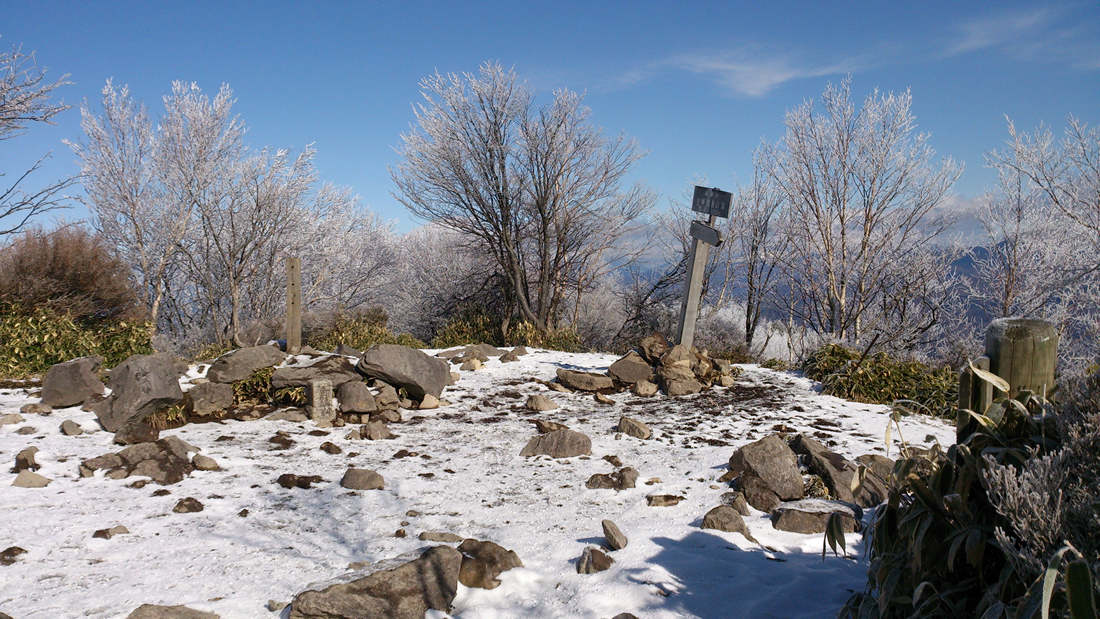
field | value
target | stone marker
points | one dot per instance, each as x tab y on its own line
615	538
319	402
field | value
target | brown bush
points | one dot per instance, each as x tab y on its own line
70	270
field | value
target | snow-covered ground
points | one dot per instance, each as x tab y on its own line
465	477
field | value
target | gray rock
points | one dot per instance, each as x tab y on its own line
662	500
240	364
811	515
429	402
375	431
290	414
615	538
483	562
25	430
356	397
208	398
440	536
644	389
681	386
405	367
109	533
509	357
70	428
653	348
757	493
584	381
470	365
619	480
603	399
519	351
543	426
189	505
773	462
539	402
362	479
70	383
24	460
164	461
559	444
635	428
592	561
631	369
9	554
29	479
386	416
136	430
726	518
833	469
625	616
334	368
36	408
204	463
348	351
406	591
152	611
141	385
11	418
450	354
737	501
876	481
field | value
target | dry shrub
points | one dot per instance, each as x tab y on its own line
71	271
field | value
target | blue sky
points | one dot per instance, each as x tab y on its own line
697	84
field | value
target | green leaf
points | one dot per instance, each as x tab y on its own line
1079	592
990	378
1049	579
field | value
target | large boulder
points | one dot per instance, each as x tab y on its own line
833	469
404	591
584	381
356	397
811	516
70	383
140	386
483	562
334	368
207	399
401	366
773	462
241	363
653	348
559	444
631	369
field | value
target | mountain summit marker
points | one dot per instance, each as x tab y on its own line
715	203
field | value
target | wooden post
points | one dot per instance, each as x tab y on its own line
1023	352
293	305
689	306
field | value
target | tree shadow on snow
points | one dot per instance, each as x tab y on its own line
710	577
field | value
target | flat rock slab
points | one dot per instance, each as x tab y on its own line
334	368
584	381
402	591
405	367
30	479
152	611
241	363
631	369
811	516
662	500
559	444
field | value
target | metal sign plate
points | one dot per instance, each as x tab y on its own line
705	233
711	201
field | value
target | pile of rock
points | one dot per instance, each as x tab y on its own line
472	358
654	366
768	476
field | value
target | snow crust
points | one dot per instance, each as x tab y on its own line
466	478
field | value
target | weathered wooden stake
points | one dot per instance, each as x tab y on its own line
293	305
1023	352
689	306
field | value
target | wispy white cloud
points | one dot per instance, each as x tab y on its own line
743	71
1028	35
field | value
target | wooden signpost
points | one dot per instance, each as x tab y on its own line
293	305
715	203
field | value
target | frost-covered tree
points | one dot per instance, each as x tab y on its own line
860	186
537	188
25	97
